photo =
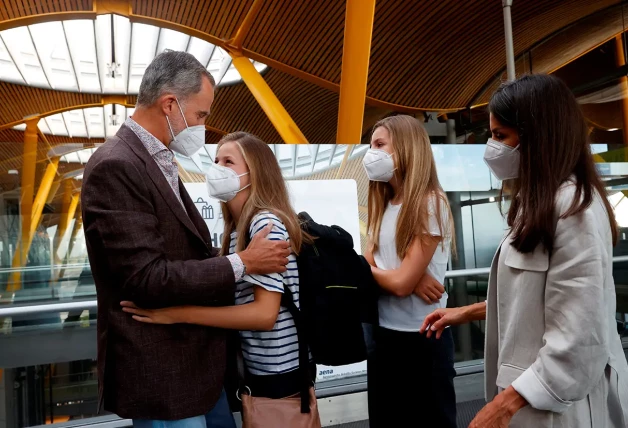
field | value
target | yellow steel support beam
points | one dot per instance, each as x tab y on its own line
356	53
64	220
78	224
31	215
268	101
343	164
71	212
26	200
42	194
118	7
244	28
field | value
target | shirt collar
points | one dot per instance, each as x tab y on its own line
152	144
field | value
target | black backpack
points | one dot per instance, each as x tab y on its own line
337	293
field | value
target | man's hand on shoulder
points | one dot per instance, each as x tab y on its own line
264	256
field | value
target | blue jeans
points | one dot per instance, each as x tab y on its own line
219	417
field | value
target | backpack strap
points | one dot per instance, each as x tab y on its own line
287	301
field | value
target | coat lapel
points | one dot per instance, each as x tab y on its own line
156	175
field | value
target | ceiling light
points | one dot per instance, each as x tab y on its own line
13	172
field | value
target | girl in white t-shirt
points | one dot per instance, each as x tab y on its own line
410	239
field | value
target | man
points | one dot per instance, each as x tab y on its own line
147	243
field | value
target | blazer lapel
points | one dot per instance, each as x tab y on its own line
156	175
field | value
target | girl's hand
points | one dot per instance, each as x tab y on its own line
153	316
429	289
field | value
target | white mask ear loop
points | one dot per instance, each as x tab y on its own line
181	110
182	115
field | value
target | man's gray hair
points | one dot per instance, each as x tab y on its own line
172	72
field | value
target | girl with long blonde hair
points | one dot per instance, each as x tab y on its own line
410	229
247	179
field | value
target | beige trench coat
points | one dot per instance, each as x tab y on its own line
551	329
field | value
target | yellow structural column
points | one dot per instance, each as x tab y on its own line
42	195
356	53
29	163
343	164
268	101
31	220
64	220
78	224
73	206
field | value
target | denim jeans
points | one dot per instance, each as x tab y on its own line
219	417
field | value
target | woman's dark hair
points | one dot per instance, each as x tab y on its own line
554	145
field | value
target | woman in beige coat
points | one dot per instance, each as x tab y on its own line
553	357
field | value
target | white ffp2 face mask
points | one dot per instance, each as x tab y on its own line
190	140
379	165
223	183
502	160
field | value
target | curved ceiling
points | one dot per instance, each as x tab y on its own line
108	55
432	56
425	55
573	41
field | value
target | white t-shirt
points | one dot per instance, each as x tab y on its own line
408	313
275	351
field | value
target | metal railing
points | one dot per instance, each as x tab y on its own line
92	304
44	267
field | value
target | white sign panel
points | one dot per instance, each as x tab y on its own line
329	202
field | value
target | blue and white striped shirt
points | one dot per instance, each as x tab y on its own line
275	351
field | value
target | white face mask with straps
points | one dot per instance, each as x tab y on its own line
223	183
379	165
502	160
189	141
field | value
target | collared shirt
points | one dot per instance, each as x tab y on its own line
164	158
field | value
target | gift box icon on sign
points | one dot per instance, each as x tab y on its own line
205	209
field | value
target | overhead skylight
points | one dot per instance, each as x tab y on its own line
295	160
93	122
107	55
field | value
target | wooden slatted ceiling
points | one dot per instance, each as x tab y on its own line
428	54
433	55
219	18
566	45
314	109
20	8
18	101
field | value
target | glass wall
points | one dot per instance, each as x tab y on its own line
49	358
